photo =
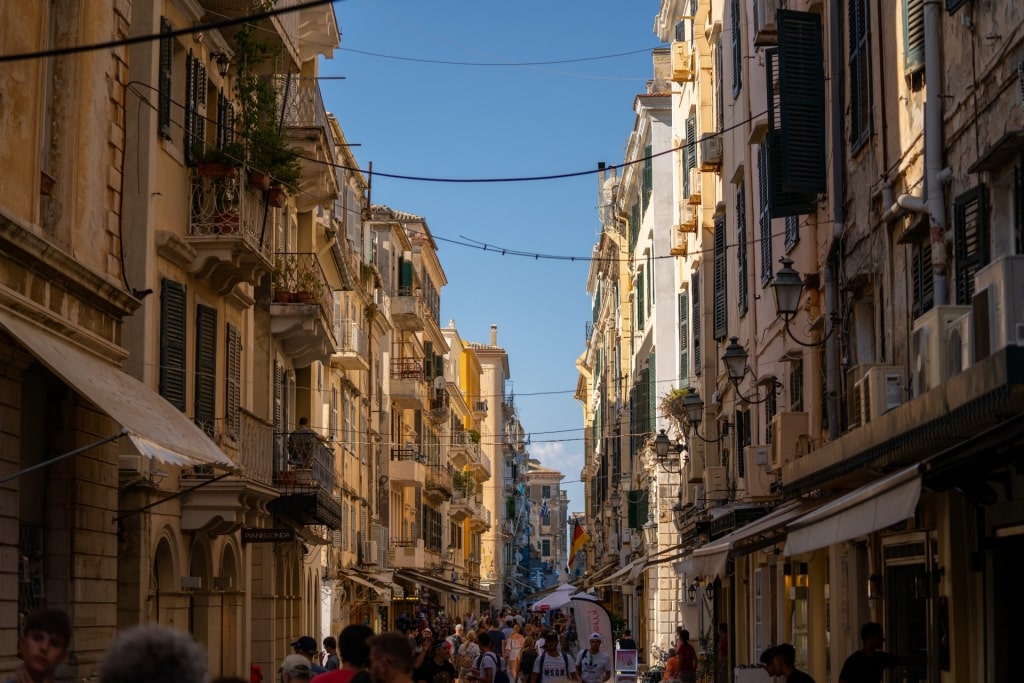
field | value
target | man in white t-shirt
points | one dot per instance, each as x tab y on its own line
592	665
552	665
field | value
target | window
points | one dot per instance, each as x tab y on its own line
691	154
695	322
970	240
233	383
796	386
650	283
333	420
647	181
921	276
719	85
165	76
195	105
206	368
545	548
172	342
859	25
684	333
765	216
640	307
913	35
770	408
742	283
792	232
545	492
737	50
721	315
636	502
225	121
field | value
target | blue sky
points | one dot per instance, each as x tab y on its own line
412	117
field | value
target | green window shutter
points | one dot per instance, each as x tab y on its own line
637	502
640	309
913	35
684	334
652	393
189	139
404	277
428	360
233	383
721	313
173	325
691	144
205	403
858	20
970	240
742	284
801	102
165	78
695	322
648	177
737	49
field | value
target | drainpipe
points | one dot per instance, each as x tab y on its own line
835	12
933	145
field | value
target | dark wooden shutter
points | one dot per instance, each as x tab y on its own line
637	502
404	277
792	231
165	78
858	20
233	383
802	101
173	323
279	437
695	322
691	146
780	202
206	368
922	278
225	121
648	176
913	35
721	314
333	424
953	5
742	281
188	139
684	338
970	240
428	360
737	49
765	218
652	393
640	310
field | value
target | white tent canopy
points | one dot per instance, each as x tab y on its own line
559	598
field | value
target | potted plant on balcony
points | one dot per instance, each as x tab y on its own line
218	162
307	283
282	278
672	406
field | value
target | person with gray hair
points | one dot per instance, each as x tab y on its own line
154	654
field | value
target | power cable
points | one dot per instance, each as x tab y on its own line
150	37
454	63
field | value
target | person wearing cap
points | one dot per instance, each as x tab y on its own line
438	668
296	667
593	665
552	665
307	647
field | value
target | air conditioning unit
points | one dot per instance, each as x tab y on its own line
757	480
960	344
711	152
789	438
1003	280
370	554
694	186
130	463
765	31
682	62
715	485
679	245
928	346
882	388
695	466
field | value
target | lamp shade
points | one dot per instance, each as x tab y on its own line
735	359
694	407
661	444
787	286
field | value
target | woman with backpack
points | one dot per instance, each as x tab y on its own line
527	658
468	653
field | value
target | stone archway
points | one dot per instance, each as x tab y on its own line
168	606
228	583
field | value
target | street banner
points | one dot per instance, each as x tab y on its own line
592	617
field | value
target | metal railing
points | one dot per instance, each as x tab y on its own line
439	477
256	448
226	205
407	368
350	337
304	108
299	274
308	462
407	453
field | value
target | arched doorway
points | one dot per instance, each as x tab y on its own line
232	605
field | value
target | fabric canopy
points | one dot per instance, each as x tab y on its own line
881	503
156	428
559	598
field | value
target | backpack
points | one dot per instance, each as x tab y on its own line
465	659
500	675
569	671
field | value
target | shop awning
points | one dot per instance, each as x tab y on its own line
709	560
624	573
881	503
156	428
363	582
442	585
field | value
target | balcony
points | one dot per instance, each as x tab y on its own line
463	450
408	312
221	507
438	483
351	350
481	467
406	554
408	466
408	387
481	521
305	481
302	312
440	405
463	505
222	245
307	129
282	30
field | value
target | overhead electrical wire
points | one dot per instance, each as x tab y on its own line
150	37
422	60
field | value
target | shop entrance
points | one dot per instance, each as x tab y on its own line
908	589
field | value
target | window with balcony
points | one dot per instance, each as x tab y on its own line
206	368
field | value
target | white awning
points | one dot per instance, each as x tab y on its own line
624	573
881	503
709	560
156	428
363	582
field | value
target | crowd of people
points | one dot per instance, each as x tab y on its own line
493	650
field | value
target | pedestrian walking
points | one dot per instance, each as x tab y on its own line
42	646
594	665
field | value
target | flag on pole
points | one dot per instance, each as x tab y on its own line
579	539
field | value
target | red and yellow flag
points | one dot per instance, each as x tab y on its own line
579	539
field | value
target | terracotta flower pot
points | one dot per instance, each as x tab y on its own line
276	196
259	180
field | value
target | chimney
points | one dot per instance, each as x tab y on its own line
494	335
